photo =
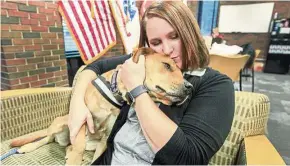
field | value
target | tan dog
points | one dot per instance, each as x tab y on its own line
165	84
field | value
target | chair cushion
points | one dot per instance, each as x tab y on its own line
50	154
251	116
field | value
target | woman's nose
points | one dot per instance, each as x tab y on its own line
167	49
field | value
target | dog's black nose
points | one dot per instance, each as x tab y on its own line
188	87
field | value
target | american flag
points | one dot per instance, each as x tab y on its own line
92	26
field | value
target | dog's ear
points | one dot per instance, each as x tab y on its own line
141	51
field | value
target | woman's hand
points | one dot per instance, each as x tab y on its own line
133	74
78	115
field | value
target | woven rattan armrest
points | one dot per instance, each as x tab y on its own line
28	110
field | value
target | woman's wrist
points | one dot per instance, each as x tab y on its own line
133	86
141	97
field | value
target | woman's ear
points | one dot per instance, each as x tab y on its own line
141	51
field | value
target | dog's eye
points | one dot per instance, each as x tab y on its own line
167	66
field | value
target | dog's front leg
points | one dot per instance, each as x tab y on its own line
74	153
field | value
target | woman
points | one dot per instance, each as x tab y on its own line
146	133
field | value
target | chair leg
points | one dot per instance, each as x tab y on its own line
241	80
253	80
247	71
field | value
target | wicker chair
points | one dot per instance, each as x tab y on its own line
29	110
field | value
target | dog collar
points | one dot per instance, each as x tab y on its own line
104	88
114	87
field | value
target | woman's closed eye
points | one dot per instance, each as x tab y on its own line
174	36
155	42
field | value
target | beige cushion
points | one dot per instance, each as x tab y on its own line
251	117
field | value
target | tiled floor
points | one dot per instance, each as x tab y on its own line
277	88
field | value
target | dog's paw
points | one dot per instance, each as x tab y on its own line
73	157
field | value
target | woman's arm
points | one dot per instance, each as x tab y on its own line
156	126
106	64
79	113
204	126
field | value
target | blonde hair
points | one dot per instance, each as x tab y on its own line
178	15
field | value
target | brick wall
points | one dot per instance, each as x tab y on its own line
32	46
259	40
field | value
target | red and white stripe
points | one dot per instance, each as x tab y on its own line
93	35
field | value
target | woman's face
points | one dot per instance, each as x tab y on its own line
164	39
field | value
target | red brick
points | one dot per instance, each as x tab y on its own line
6	34
65	77
28	79
36	3
20	27
13	62
22	41
5	87
60	73
41	41
3	69
13	13
46	11
33	47
51	5
26	67
22	86
10	82
51	58
11	69
54	18
3	12
26	21
47	23
56	41
17	1
5	5
62	83
34	60
37	16
49	47
59	35
58	24
60	46
5	27
54	79
46	75
7	55
12	48
60	62
37	83
48	35
42	53
39	28
44	65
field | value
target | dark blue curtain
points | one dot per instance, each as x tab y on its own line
207	16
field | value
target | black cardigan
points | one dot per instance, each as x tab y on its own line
203	122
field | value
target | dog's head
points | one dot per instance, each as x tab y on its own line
164	79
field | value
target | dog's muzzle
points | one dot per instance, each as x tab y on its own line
187	90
